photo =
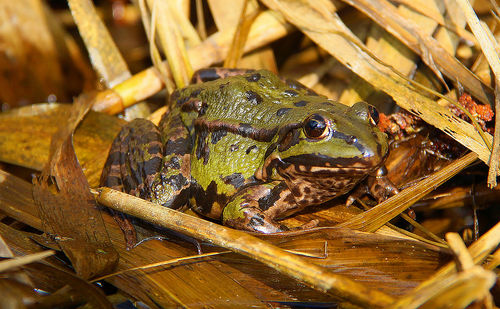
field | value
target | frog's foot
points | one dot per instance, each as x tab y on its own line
127	228
309	225
250	218
360	191
255	208
378	186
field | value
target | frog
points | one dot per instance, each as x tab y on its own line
248	148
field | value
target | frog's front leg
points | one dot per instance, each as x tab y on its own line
378	186
255	207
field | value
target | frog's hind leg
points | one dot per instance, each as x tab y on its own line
142	164
134	155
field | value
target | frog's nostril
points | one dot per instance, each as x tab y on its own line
351	140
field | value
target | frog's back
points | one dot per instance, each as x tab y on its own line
259	99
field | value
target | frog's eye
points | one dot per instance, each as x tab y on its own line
316	126
374	116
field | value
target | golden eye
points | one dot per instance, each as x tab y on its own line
316	127
374	116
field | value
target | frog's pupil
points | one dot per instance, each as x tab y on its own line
315	126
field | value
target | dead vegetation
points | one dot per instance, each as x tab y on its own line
438	60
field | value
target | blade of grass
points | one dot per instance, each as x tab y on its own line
431	52
171	40
240	36
104	55
23	260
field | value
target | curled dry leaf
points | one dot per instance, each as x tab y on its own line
67	209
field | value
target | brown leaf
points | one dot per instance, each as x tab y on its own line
25	135
67	209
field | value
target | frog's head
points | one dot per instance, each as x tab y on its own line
332	147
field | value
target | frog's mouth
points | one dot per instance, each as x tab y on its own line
318	164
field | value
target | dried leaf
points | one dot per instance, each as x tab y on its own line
104	54
25	137
71	214
73	290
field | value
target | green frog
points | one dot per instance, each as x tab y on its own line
248	148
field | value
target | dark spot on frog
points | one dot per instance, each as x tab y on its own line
254	77
205	75
327	103
113	182
146	168
290	93
202	149
289	199
206	198
280	112
245	129
235	179
178	146
195	93
234	147
194	104
250	148
222	86
217	136
129	183
176	181
268	201
182	101
173	163
179	200
296	191
300	103
253	97
154	149
114	157
307	190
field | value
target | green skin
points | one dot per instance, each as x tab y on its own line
243	149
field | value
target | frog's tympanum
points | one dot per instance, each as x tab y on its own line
247	147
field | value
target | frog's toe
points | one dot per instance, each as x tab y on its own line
251	219
309	225
356	194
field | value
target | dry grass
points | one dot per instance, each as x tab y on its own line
416	55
